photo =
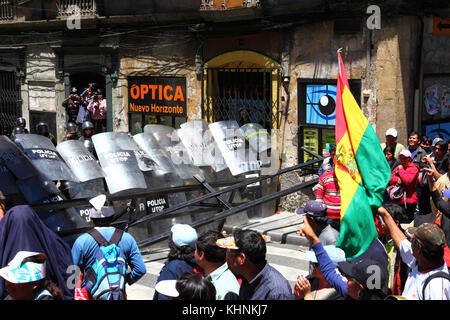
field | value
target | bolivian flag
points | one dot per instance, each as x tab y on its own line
361	170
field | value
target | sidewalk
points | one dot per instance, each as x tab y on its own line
280	227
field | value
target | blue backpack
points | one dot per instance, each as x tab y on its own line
105	280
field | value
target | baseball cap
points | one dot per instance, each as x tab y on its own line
436	140
167	288
368	272
391	132
227	243
406	153
26	267
313	208
336	254
429	235
183	235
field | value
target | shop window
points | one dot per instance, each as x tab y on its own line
317	114
138	121
436	106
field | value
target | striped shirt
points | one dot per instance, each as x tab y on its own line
328	193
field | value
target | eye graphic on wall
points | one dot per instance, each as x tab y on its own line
327	105
321	104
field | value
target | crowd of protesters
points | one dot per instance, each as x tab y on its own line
412	224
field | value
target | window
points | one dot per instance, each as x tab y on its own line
317	114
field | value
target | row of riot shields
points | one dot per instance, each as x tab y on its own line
33	171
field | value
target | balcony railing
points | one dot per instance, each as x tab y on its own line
82	7
228	4
7	9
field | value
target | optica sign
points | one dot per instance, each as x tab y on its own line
157	95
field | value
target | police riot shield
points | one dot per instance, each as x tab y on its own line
169	140
232	144
118	161
200	145
161	157
43	153
256	136
7	180
82	163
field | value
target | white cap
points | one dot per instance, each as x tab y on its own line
167	288
104	212
391	132
406	153
18	271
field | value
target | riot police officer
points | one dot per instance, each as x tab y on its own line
20	123
72	133
42	129
87	130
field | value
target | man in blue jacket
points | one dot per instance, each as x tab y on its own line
85	247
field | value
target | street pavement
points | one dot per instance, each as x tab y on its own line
285	253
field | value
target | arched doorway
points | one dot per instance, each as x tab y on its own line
244	86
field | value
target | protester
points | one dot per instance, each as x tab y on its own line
352	280
328	162
42	129
25	278
85	248
438	163
406	175
246	257
189	286
181	255
2	205
212	259
328	193
322	289
442	205
417	153
425	144
441	184
397	269
71	131
389	153
316	213
97	108
424	254
21	229
391	141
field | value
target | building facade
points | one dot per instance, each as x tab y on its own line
270	62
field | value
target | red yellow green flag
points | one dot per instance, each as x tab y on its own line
361	170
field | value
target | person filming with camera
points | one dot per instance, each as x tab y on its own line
97	108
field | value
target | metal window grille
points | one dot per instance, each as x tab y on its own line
10	103
83	7
247	95
7	9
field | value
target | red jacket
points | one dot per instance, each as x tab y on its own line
409	179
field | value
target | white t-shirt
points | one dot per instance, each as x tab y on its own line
437	289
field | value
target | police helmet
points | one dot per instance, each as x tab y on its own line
71	127
42	127
20	121
18	130
89	145
87	125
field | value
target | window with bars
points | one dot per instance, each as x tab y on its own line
247	95
10	102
